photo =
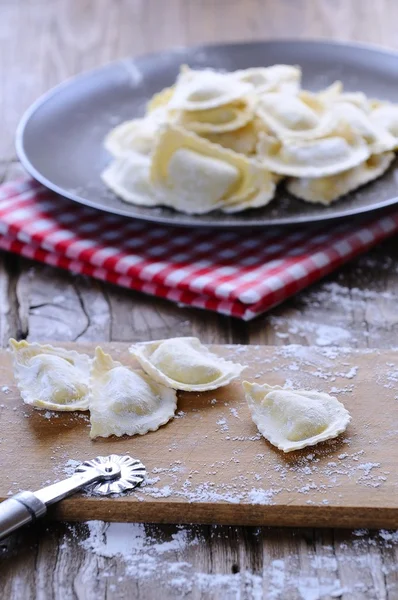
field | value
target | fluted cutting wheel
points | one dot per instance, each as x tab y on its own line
132	473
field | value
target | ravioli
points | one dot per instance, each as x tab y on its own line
253	200
326	190
334	94
341	150
51	378
358	99
128	177
124	401
206	89
136	136
185	364
160	100
291	420
378	139
228	117
288	115
385	116
222	141
277	78
243	140
201	176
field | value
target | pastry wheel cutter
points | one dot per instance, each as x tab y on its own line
106	475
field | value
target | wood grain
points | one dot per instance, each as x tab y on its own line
212	465
41	43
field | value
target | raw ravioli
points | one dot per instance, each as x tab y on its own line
326	190
206	89
128	177
160	99
377	137
136	136
185	364
294	419
291	116
126	401
218	120
222	141
319	157
242	140
277	78
334	94
51	378
200	176
385	115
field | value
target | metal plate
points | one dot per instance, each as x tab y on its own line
59	140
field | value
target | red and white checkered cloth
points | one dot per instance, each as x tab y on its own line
231	272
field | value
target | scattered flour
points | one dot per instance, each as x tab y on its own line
70	467
320	334
144	557
234	413
48	414
328	335
348	299
222	422
148	553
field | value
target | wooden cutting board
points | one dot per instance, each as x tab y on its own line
209	465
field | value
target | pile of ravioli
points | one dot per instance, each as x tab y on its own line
225	140
126	401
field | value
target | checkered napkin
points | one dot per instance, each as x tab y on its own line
234	273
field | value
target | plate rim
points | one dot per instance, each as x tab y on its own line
162	220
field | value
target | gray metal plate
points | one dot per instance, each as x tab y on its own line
59	139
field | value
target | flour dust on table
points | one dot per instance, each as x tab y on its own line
146	553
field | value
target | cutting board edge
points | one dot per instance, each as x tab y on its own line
347	517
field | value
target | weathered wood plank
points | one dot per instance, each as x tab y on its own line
355	306
65	37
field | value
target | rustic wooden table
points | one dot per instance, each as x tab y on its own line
42	43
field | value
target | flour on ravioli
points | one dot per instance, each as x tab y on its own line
341	150
51	378
136	136
222	140
376	137
125	401
185	364
160	100
277	78
334	94
294	419
292	116
128	177
385	115
199	176
325	190
228	117
243	140
206	89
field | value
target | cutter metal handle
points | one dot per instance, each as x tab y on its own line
26	507
19	510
